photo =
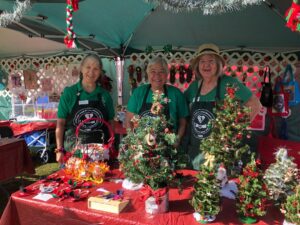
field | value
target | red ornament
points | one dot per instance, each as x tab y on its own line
239	136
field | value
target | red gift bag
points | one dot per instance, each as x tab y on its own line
258	123
268	145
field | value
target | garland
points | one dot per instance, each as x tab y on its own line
19	10
207	6
70	39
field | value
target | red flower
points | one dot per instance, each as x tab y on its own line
239	136
295	204
231	92
258	162
85	156
249	206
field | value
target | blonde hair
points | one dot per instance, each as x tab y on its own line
195	66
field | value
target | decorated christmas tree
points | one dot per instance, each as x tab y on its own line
291	207
281	177
147	154
205	197
252	195
225	143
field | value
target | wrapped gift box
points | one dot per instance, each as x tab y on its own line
107	205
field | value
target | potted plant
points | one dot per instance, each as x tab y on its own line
252	195
281	177
147	156
291	208
205	197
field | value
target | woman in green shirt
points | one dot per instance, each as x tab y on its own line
140	101
83	100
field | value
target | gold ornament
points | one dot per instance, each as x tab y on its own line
150	139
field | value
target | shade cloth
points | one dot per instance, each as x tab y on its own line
25	210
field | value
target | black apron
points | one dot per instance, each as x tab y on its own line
145	110
90	132
201	113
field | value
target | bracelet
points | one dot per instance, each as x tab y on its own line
61	149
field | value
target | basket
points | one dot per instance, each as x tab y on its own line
88	161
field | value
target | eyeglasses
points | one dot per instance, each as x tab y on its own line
209	62
157	72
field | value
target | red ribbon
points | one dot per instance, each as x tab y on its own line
74	4
147	192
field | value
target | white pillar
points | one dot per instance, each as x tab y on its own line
120	74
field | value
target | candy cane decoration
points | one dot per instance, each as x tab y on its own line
70	39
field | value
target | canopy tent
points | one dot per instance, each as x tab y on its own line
117	27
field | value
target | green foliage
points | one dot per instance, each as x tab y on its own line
147	154
228	130
291	208
252	195
206	198
281	177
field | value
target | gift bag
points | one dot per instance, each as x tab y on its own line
291	86
266	97
280	105
258	123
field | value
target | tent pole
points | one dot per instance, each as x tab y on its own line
27	28
119	62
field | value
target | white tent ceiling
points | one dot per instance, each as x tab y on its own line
14	43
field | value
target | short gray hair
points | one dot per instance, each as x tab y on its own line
158	61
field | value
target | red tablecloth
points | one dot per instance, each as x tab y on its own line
22	128
27	211
14	158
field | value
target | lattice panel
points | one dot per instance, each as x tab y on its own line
248	67
54	72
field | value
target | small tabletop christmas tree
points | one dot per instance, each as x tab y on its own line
228	129
281	177
291	208
147	154
252	195
206	197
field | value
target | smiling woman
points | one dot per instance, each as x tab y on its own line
203	94
140	102
84	100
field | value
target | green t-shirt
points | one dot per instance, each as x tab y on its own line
243	93
177	106
69	96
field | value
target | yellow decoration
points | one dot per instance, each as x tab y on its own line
210	160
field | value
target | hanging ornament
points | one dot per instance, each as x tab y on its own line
150	139
189	74
145	69
207	6
181	74
172	74
19	10
293	16
70	39
130	70
138	74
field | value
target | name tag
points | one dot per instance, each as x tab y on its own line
83	102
